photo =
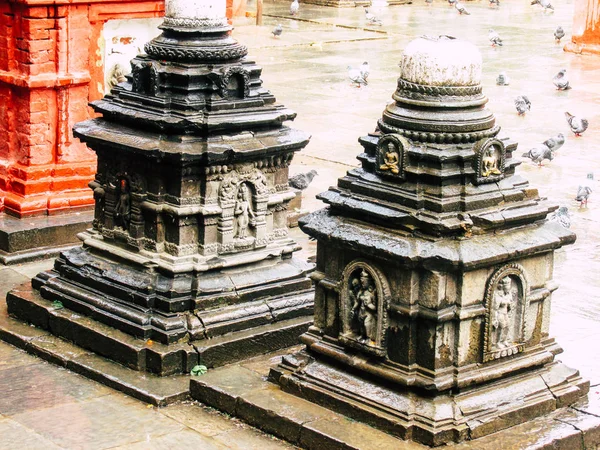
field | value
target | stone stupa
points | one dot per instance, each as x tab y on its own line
434	270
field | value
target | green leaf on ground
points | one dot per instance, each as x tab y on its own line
57	304
198	370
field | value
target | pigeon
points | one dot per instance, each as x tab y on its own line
495	2
502	79
494	38
559	33
365	70
429	2
294	7
451	2
561	81
584	190
302	180
544	4
522	104
539	154
357	76
556	142
372	19
461	9
577	124
562	217
277	30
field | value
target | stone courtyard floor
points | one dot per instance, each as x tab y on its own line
43	406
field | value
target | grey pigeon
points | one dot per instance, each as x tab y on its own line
562	217
578	125
561	81
544	4
494	38
294	7
451	2
559	33
556	142
277	30
429	2
357	76
461	9
372	19
302	180
502	79
495	2
539	154
584	190
522	104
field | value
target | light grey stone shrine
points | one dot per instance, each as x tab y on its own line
434	270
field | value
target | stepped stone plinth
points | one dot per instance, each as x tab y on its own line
189	260
434	270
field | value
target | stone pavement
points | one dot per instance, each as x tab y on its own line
43	406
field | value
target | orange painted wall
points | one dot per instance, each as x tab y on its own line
586	27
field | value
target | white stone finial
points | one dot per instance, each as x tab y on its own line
441	61
195	9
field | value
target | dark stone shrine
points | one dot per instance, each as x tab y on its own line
434	270
189	253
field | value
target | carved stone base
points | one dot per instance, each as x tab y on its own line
26	303
352	3
149	321
432	420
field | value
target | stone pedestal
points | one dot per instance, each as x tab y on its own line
434	270
586	28
352	3
189	253
50	68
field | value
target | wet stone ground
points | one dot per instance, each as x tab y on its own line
43	406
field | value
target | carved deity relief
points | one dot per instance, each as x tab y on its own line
365	295
122	212
506	303
116	75
243	212
364	307
391	154
490	162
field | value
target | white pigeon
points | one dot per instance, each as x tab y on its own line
461	8
494	38
522	104
544	4
578	124
357	77
561	81
294	7
372	18
584	190
502	79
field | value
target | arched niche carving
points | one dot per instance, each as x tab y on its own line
365	295
506	305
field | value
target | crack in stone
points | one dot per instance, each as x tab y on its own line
576	427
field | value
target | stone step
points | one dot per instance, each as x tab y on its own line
27	304
242	390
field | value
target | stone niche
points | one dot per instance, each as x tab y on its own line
434	270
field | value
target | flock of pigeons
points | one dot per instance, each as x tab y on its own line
545	151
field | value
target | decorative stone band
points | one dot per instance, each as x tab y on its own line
439	91
194	24
168	52
439	138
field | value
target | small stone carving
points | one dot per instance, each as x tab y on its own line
506	303
504	297
144	77
365	295
364	309
243	212
490	161
116	75
391	151
122	213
